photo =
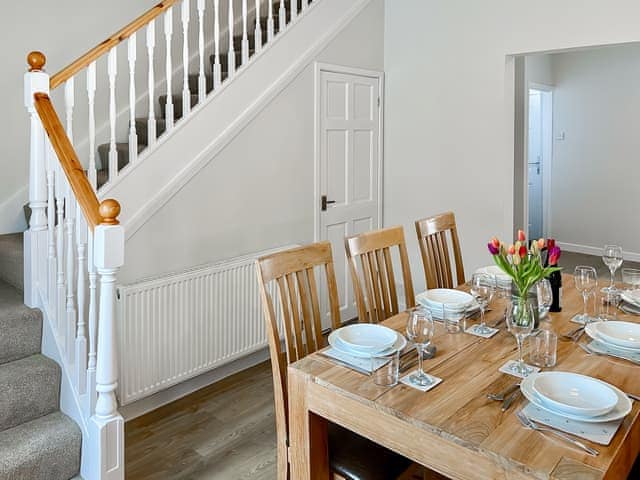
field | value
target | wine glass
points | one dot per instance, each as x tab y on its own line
586	281
483	286
545	296
420	329
520	321
612	258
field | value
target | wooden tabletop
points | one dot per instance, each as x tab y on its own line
454	429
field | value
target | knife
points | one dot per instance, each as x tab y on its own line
509	400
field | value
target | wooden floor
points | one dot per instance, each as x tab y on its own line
225	431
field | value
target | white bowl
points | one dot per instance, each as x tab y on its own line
437	296
367	337
575	394
336	343
624	334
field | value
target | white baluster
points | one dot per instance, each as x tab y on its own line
168	32
151	121
282	17
186	94
231	54
93	328
257	35
217	71
69	103
133	135
69	223
81	333
91	94
202	79
112	71
35	80
270	25
245	38
305	4
51	160
293	5
60	186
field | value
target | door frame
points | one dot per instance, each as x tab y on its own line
547	157
320	67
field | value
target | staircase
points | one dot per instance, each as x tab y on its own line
37	441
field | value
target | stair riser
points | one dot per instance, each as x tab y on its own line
177	105
143	130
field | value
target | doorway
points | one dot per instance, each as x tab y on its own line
539	153
348	159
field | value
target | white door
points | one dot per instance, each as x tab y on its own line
535	164
349	167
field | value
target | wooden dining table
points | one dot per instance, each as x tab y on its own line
454	429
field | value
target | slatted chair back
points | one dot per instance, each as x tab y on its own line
371	265
434	249
294	273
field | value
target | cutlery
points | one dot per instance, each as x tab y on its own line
626	308
347	365
573	335
632	396
528	423
499	397
591	351
509	400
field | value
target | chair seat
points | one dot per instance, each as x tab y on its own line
356	458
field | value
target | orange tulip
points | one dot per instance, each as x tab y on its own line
521	236
512	250
541	243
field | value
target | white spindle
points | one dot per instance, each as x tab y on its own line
257	35
293	6
91	95
93	328
168	32
245	38
69	103
231	54
112	71
81	333
133	135
305	4
282	17
186	94
151	121
202	79
60	182
69	224
217	71
270	25
51	222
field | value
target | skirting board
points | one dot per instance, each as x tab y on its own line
597	251
146	405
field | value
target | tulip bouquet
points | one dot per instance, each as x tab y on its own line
524	265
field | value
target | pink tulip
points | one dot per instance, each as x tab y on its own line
521	236
541	243
495	242
512	250
554	255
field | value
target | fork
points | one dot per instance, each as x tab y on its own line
499	397
528	423
573	335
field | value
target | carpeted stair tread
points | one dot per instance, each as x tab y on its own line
47	448
177	104
122	150
29	389
20	326
11	260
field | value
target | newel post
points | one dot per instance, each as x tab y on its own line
107	423
35	80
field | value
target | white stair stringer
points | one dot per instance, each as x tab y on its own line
144	187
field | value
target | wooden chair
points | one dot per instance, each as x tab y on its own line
434	248
372	250
351	457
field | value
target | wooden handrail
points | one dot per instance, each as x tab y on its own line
74	67
95	212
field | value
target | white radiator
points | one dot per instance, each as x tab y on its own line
178	326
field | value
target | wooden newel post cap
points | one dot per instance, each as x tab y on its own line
109	211
36	61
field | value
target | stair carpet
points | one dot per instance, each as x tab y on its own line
37	441
122	148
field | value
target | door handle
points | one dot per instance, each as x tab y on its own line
324	202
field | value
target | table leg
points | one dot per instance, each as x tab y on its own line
308	444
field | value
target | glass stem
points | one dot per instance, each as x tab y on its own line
585	297
613	278
420	370
482	315
519	342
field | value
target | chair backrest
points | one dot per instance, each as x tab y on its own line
434	249
370	253
294	273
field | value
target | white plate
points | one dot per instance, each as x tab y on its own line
591	329
494	270
437	296
622	408
624	334
575	394
631	296
367	337
336	343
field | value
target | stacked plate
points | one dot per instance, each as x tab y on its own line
576	397
632	300
366	340
455	301
624	336
502	279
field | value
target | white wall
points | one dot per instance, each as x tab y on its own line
596	168
63	30
257	192
449	103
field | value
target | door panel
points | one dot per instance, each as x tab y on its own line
535	164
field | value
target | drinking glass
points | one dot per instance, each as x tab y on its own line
545	297
420	329
483	286
631	278
586	281
612	258
453	318
520	321
608	305
543	348
384	368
